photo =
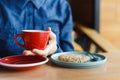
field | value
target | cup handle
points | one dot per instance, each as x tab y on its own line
15	39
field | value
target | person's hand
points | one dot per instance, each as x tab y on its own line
50	48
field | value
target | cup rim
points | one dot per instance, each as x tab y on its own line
34	31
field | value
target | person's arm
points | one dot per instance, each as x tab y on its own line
66	28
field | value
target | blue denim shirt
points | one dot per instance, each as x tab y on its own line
16	15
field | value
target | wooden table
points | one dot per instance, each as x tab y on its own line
108	71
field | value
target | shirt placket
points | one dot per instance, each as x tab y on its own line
30	16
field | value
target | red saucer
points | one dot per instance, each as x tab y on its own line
23	62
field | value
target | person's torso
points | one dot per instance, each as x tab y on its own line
14	19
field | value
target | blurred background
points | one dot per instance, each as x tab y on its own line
110	21
102	15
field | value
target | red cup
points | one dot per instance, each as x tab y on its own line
33	39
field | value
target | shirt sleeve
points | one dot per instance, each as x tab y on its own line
66	28
0	15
